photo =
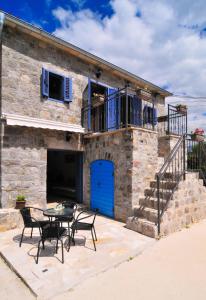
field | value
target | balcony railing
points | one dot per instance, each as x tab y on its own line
175	122
119	110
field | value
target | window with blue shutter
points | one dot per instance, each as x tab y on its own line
56	87
150	115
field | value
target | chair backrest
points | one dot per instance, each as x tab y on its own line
26	215
88	215
69	204
51	230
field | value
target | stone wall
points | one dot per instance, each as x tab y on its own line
166	144
145	162
116	147
187	206
134	153
9	219
24	162
24	56
23	59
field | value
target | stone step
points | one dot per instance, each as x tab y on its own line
151	203
164	194
167	185
147	213
169	175
142	226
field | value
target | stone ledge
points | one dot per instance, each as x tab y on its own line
97	134
10	218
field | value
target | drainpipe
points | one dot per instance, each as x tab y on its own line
2	18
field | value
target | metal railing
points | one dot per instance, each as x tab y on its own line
187	155
169	176
196	157
119	110
175	122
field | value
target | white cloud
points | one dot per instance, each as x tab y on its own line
163	45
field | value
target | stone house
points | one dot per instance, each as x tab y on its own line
74	126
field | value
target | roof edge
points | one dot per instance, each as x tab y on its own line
51	37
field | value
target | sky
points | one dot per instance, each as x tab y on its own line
162	41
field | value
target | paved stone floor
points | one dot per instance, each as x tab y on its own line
11	287
50	277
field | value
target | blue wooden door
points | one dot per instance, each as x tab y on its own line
102	186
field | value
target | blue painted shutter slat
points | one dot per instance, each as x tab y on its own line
150	114
145	114
136	111
112	109
118	112
67	89
89	105
45	82
154	116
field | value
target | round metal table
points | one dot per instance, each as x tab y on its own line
55	213
60	213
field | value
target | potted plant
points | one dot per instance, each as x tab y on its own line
20	201
198	135
181	108
97	99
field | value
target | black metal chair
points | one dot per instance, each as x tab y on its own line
79	225
31	222
69	219
52	231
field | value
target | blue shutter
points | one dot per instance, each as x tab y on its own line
154	116
89	105
145	114
45	82
67	89
118	111
112	109
136	111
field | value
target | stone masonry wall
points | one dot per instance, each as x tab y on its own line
24	56
116	147
145	162
22	60
134	153
24	162
187	206
166	144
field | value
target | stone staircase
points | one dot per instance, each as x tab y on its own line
144	217
188	200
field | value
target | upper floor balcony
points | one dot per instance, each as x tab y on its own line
117	109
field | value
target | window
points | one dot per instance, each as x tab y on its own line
150	115
56	87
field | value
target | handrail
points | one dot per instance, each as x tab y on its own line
170	174
187	154
171	155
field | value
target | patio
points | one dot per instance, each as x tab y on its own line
50	277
